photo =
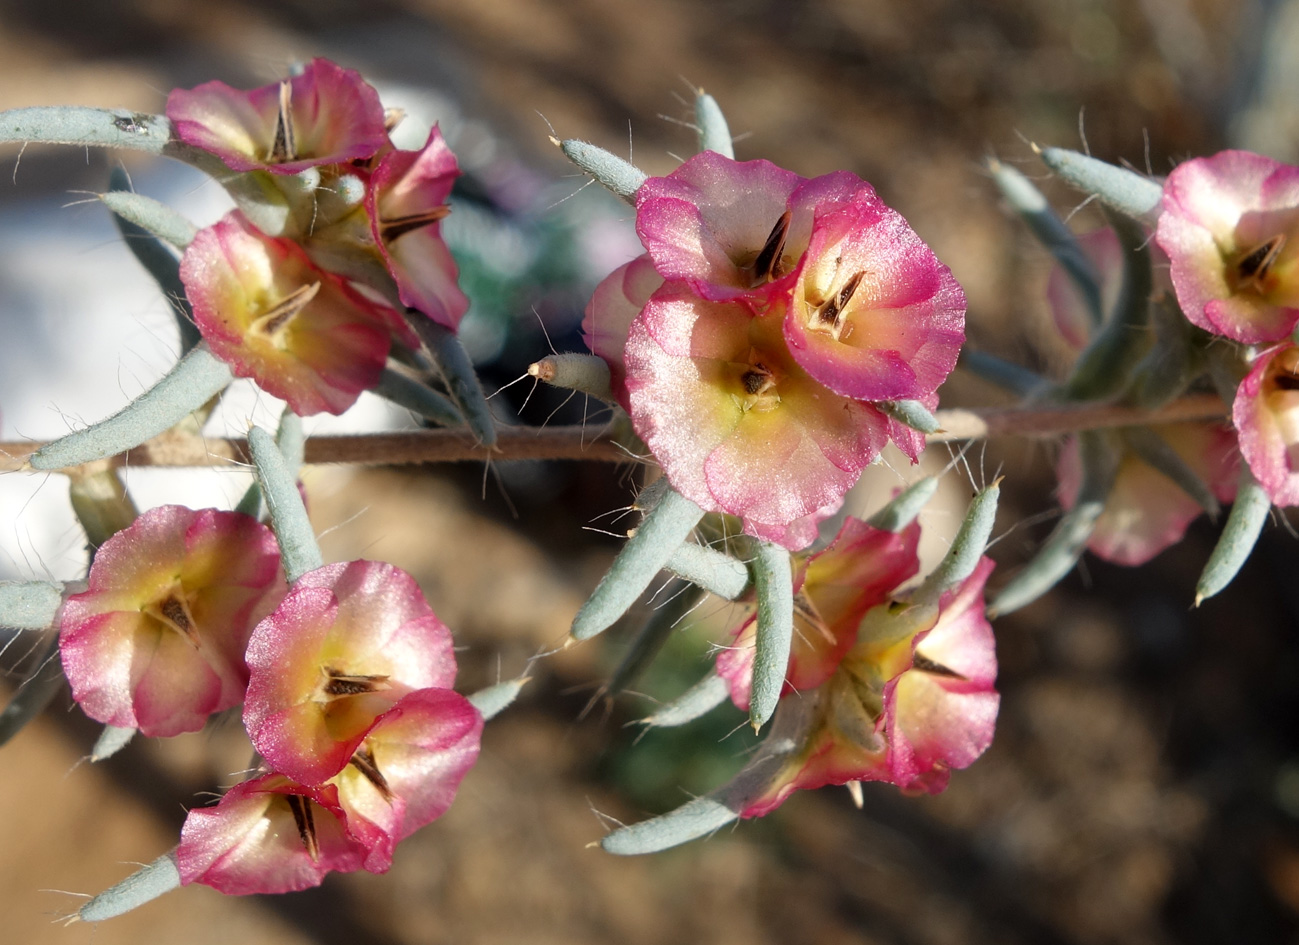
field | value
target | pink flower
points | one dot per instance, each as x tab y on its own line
874	314
737	425
1229	226
734	229
911	700
157	641
1146	512
347	642
324	115
614	305
301	333
270	835
406	771
406	198
834	588
1266	415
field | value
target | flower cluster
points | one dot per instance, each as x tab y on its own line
345	678
310	312
1145	511
880	687
754	340
1230	227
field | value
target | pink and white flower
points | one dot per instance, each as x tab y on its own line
913	699
344	646
157	640
265	309
736	423
731	229
874	314
324	115
406	198
1230	227
833	590
1266	415
271	835
406	770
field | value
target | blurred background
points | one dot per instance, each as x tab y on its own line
1144	783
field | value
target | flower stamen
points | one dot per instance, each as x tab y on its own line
926	665
1252	269
284	148
363	761
339	684
766	267
397	227
277	316
306	823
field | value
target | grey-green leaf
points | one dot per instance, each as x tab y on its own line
493	700
298	548
1063	547
195	379
146	884
698	700
709	568
29	605
773	581
1027	201
617	175
646	553
1126	191
418	398
1239	535
714	133
905	506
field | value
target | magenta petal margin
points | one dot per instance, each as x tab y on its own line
157	640
333	116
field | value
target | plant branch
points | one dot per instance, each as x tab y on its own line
583	443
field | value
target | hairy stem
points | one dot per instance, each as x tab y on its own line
586	443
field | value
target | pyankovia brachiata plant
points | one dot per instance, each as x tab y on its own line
775	335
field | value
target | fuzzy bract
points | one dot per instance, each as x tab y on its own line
1266	415
265	309
157	640
911	700
1230	227
324	115
833	590
347	642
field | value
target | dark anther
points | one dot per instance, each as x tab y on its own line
174	611
767	265
345	684
1259	260
273	319
306	821
285	148
363	761
753	381
1286	380
925	664
397	227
